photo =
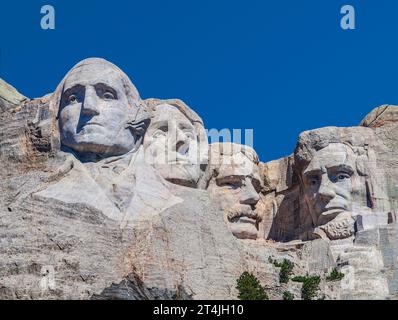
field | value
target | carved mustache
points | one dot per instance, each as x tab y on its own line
241	210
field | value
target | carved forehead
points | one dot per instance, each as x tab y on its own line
234	159
167	113
312	141
237	165
219	150
95	70
334	155
92	74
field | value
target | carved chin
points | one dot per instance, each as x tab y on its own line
97	147
186	175
96	139
244	230
339	228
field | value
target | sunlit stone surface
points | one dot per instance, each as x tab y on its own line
105	195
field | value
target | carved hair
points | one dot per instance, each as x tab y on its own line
192	116
358	139
218	150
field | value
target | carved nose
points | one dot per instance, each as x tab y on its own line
90	103
182	147
249	194
326	191
181	143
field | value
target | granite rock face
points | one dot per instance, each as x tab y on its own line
9	96
154	212
381	116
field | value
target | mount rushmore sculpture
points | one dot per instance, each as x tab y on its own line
124	198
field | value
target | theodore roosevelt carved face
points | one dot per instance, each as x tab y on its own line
235	185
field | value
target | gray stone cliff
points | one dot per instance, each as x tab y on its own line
167	237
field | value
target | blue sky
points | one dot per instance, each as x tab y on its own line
278	67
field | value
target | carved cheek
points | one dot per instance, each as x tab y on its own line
228	197
114	114
159	142
158	148
311	193
311	198
344	189
192	150
69	117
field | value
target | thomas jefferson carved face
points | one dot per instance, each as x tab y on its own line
236	186
95	111
172	144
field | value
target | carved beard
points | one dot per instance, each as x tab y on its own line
339	228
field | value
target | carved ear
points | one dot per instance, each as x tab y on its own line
139	125
138	129
369	194
319	233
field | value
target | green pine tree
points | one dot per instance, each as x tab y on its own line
249	288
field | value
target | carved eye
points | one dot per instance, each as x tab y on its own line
343	176
189	135
231	182
256	184
232	185
159	133
313	181
72	98
108	95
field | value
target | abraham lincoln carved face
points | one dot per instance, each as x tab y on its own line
328	182
335	167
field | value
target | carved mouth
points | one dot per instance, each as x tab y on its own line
243	215
243	218
330	214
333	210
244	228
179	159
90	124
93	124
178	162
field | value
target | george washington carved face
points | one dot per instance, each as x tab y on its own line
97	106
